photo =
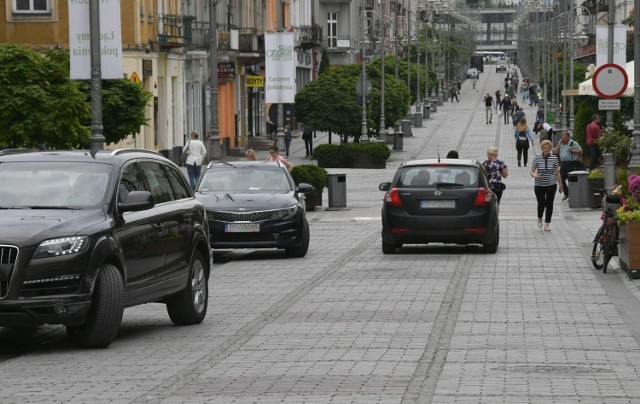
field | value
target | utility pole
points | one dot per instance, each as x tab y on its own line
215	151
635	150
97	138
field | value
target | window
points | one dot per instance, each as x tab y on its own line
31	6
180	188
131	180
332	30
158	182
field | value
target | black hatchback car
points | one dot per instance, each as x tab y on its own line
447	201
82	238
254	204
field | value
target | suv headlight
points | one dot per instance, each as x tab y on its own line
61	246
286	213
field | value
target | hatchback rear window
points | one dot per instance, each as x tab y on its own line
437	176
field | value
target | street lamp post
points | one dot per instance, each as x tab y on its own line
363	78
215	151
635	151
97	138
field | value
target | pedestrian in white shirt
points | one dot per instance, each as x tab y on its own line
196	152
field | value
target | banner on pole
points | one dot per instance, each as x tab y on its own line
280	67
619	45
110	40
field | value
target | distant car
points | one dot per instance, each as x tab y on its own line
501	66
253	204
447	201
84	237
472	73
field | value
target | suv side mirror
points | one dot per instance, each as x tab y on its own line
136	201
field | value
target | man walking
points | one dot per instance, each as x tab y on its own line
454	92
593	134
506	109
569	152
488	107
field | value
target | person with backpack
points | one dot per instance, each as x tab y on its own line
518	114
523	137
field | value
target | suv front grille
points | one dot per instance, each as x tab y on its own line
242	217
8	257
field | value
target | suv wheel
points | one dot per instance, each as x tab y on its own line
190	305
105	315
301	250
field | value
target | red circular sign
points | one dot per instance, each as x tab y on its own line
610	81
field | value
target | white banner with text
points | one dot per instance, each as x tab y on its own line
280	67
110	39
619	45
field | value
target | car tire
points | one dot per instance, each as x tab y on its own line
300	250
105	315
388	248
492	246
190	305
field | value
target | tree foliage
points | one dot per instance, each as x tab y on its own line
330	102
40	105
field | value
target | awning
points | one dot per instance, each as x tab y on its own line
586	87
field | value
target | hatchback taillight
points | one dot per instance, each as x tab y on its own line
483	197
392	198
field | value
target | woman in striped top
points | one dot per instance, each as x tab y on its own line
546	172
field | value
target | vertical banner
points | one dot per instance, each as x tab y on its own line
619	45
110	39
280	68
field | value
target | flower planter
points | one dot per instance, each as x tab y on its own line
629	249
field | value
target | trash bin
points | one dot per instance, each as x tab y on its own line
434	105
406	127
426	111
417	119
337	187
578	189
398	141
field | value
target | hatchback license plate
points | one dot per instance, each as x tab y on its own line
242	227
438	204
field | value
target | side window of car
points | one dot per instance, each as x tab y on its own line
158	181
131	180
180	188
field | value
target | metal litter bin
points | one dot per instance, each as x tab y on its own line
434	105
426	111
406	127
337	187
417	119
398	141
578	189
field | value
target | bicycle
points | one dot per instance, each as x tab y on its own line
605	243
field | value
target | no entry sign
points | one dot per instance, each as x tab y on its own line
610	81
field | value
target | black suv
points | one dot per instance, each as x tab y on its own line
82	238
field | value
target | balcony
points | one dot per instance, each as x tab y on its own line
174	31
248	40
309	36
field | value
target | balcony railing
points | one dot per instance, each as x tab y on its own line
247	38
174	30
309	36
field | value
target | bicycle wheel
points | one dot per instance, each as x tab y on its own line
597	256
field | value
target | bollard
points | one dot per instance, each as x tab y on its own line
609	170
426	111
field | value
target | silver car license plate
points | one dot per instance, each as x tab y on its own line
438	204
242	227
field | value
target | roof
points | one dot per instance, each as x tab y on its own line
103	156
456	162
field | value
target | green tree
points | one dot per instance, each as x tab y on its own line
38	102
324	62
330	102
123	103
40	105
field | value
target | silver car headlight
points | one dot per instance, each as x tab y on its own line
286	213
61	246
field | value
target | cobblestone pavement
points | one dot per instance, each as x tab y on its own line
534	323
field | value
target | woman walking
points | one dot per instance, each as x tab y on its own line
496	171
545	169
523	137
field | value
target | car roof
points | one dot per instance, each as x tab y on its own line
246	164
114	157
451	162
